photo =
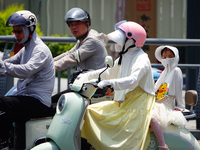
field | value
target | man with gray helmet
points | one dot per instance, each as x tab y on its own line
34	67
90	44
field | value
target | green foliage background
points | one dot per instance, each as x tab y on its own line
4	16
59	48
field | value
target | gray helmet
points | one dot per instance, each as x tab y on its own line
77	14
23	18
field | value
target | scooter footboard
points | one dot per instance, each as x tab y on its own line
46	146
176	139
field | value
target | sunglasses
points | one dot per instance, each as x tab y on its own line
17	31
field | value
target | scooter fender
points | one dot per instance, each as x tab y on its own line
46	146
65	128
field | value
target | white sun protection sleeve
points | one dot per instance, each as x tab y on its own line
178	86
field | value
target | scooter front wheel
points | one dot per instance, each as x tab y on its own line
46	146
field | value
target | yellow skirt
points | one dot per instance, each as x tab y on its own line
109	125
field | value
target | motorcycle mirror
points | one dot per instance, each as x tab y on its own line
109	61
191	97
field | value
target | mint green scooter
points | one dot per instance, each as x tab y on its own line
64	132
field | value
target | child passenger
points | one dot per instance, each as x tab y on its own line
123	123
168	89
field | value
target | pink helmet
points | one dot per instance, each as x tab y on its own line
133	30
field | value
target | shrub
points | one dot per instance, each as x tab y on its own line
59	48
4	16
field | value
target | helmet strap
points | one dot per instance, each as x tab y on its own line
124	51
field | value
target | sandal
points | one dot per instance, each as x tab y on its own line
163	147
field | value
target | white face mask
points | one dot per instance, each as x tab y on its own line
118	48
169	63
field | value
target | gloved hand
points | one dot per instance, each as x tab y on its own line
103	84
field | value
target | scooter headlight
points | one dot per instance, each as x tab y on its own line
61	104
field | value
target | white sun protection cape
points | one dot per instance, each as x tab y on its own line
171	75
119	37
34	67
135	71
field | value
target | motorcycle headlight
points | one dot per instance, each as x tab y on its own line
61	104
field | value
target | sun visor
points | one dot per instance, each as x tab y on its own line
118	37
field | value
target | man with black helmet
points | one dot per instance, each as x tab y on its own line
34	67
90	44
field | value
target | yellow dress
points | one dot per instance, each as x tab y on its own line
110	125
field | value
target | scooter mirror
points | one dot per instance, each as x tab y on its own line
109	61
191	97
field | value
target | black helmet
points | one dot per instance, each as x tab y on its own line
77	14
